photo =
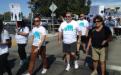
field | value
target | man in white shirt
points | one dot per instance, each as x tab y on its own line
68	31
83	24
38	46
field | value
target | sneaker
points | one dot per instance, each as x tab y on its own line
68	67
76	66
21	62
26	74
44	71
94	72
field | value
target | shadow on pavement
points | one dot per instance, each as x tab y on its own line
23	68
12	62
50	59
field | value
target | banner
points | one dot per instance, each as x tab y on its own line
16	14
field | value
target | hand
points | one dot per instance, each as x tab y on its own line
86	51
103	43
16	30
36	50
59	42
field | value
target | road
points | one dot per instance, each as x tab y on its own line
57	65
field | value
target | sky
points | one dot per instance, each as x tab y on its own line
4	4
106	2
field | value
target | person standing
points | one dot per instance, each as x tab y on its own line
99	37
68	32
38	46
22	32
111	23
4	37
83	24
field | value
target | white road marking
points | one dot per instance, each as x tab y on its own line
113	67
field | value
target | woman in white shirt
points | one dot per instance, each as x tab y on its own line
4	37
22	32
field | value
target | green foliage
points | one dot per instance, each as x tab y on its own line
7	16
1	17
75	6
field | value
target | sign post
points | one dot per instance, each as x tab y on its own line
53	7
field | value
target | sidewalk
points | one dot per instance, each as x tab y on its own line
114	56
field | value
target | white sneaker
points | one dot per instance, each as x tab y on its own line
44	71
94	72
76	66
68	67
26	74
21	62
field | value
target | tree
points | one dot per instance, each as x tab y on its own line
7	16
75	6
1	17
117	8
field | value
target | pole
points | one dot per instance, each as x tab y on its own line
53	21
31	18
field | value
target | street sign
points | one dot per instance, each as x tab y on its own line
53	7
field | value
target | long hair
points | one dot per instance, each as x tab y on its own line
21	24
1	28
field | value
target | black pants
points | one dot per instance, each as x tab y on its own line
4	65
21	51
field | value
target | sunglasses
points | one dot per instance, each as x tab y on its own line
68	16
36	20
98	21
81	16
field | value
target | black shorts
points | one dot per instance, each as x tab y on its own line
83	39
68	48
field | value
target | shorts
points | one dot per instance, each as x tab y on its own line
83	39
99	54
68	48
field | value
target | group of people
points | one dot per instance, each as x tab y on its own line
71	34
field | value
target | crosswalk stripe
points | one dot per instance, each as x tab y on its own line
113	67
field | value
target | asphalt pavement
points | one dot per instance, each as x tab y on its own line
57	65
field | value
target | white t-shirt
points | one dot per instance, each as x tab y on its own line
69	31
83	24
20	39
4	47
37	32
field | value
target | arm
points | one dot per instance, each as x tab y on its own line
78	40
108	35
42	40
25	32
59	37
60	34
88	45
87	28
5	37
22	33
40	43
